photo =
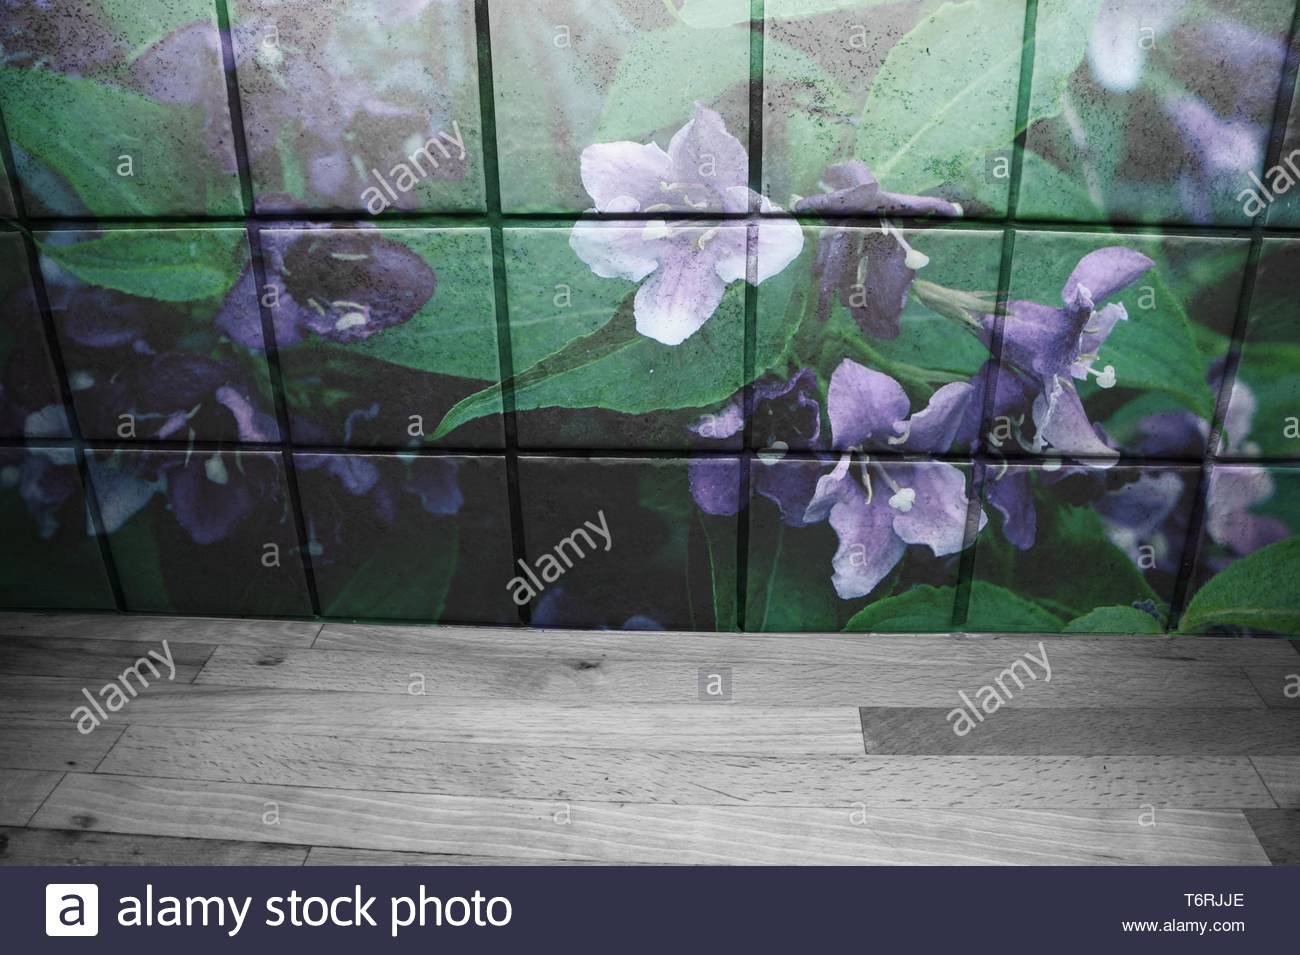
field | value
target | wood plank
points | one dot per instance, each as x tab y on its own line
1278	831
788	730
1278	685
1083	731
80	847
98	661
21	793
333	855
705	649
508	679
629	832
136	628
1282	776
54	746
554	773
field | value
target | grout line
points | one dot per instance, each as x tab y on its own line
121	731
500	288
257	262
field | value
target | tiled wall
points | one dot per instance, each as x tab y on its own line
685	314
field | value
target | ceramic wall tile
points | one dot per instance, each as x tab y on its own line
31	400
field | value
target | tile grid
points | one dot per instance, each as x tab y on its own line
497	220
1276	143
76	441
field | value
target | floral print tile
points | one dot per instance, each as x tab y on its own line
1248	554
118	108
920	97
629	543
1263	414
410	537
360	106
588	91
875	338
31	402
209	532
601	362
160	334
1126	525
1151	112
6	194
1114	344
1277	192
855	543
386	335
49	557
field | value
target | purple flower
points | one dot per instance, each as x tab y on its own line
870	271
887	507
687	265
787	414
1049	348
46	479
343	285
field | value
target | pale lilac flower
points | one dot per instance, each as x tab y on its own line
686	266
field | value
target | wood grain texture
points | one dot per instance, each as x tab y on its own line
147	629
22	792
333	855
81	847
97	661
554	773
1135	683
1083	731
53	746
1279	686
704	649
1278	831
686	727
1282	776
608	832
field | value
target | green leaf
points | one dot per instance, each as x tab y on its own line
649	94
999	610
923	609
945	96
1258	593
619	369
714	13
169	265
1115	620
101	123
1061	34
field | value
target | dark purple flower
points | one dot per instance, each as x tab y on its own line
343	285
1047	348
869	270
46	479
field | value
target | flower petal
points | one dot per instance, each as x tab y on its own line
1008	492
703	151
616	171
780	241
1067	428
934	429
1105	272
863	404
617	250
830	490
1232	492
679	298
936	514
868	547
715	484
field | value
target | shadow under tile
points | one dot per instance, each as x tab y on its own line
49	557
623	544
422	537
201	532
